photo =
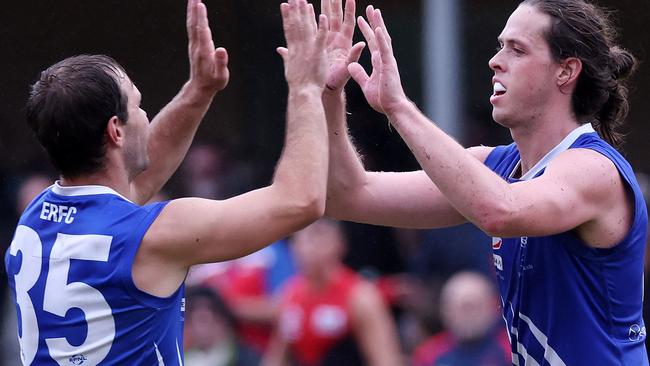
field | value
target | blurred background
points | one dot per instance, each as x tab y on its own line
442	47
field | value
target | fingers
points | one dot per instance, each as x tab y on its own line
355	52
283	52
385	50
303	13
323	27
326	8
191	19
376	20
358	74
203	32
336	15
379	19
310	18
348	20
286	21
298	20
369	35
221	56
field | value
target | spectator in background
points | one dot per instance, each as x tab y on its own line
33	185
474	334
210	332
28	189
328	314
250	285
207	172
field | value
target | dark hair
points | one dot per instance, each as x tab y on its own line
583	30
69	107
217	305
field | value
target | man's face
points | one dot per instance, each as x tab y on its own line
525	73
318	248
136	157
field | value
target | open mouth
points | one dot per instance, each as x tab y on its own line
499	89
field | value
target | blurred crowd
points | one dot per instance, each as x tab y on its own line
335	293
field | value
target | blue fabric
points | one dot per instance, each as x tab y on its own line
282	267
567	303
146	329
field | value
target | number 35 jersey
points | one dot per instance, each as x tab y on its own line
69	268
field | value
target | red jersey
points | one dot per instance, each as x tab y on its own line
312	321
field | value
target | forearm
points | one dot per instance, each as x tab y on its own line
302	170
346	171
171	134
471	188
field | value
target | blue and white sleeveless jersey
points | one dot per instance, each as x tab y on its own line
565	303
69	267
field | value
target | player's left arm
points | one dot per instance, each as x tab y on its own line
173	128
580	189
373	327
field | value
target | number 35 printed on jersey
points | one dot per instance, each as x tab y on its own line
60	296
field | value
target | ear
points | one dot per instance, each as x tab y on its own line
570	69
115	132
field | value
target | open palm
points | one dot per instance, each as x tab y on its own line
382	89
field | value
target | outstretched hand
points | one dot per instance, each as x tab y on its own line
305	60
340	51
383	88
208	66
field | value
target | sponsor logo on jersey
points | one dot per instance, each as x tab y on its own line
524	241
498	261
77	359
637	333
496	243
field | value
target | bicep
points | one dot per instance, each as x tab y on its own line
195	230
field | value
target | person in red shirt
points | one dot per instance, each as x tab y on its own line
328	314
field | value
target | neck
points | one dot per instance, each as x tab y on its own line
109	176
534	140
322	277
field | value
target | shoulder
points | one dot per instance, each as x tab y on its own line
480	152
585	165
588	173
365	296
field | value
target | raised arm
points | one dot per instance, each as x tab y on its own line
191	230
173	128
580	189
352	193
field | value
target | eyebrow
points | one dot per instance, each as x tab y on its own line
515	41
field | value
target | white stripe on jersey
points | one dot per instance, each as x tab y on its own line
160	358
178	351
549	353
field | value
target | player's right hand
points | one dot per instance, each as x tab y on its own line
340	51
208	66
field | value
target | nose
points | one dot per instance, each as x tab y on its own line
495	62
